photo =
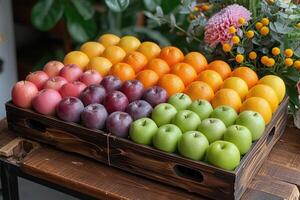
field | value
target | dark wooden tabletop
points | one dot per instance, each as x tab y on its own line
279	177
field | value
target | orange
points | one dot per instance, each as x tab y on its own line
199	90
212	78
100	64
129	43
259	105
197	60
109	40
149	49
184	71
266	92
237	84
114	53
159	66
171	83
221	67
123	71
276	83
227	97
148	77
77	57
171	55
247	75
136	60
92	49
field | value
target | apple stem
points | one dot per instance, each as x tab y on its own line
144	123
182	95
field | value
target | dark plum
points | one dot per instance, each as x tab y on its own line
94	116
92	94
115	101
155	95
139	109
69	109
133	89
118	124
111	83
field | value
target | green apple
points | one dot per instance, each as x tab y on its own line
180	101
225	113
163	114
142	131
223	154
240	136
253	121
193	145
202	108
212	128
167	137
186	120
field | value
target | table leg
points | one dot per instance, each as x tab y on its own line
9	180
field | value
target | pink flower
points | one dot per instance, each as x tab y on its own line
298	87
216	30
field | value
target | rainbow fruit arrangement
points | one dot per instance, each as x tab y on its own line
156	97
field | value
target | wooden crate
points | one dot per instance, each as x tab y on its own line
172	169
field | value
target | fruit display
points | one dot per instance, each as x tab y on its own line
176	103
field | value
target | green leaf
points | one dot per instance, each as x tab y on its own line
80	30
150	4
117	5
169	5
84	8
280	28
46	13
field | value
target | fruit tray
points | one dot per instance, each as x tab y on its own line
172	169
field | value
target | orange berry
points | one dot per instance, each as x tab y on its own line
158	65
171	55
228	97
114	53
212	78
148	77
197	60
171	83
247	74
149	49
136	60
184	71
199	90
123	71
221	67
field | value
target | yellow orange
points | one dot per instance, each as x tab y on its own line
109	40
212	78
197	60
123	71
276	83
148	77
171	55
246	74
129	43
92	49
228	97
221	67
266	92
259	105
171	83
136	60
237	84
114	53
100	64
77	57
184	71
149	49
199	90
158	65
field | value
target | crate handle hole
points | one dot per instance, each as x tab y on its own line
188	173
34	124
271	135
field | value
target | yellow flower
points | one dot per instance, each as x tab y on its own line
264	31
226	47
232	29
205	7
264	59
239	58
265	21
288	53
191	16
258	25
275	51
235	39
250	34
297	64
252	55
196	8
242	21
270	62
298	25
288	62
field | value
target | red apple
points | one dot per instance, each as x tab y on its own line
55	83
71	72
115	101
38	78
90	77
53	67
46	100
72	89
22	93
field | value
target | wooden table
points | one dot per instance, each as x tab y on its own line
279	177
